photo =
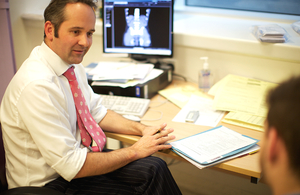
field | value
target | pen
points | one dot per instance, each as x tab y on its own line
158	131
250	153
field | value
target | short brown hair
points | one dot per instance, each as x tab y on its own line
284	116
55	12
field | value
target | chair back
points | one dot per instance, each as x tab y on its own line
2	164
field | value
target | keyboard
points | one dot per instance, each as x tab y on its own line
126	105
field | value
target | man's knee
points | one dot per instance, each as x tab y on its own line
155	165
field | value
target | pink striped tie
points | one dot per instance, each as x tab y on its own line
87	125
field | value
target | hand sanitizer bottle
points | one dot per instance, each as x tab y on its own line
204	82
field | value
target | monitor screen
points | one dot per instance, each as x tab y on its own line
138	27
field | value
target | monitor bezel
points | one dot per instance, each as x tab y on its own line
141	56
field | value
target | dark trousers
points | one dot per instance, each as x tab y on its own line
149	176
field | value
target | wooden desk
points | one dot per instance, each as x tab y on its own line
247	166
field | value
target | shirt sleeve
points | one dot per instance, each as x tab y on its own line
43	108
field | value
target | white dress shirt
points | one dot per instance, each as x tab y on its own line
38	118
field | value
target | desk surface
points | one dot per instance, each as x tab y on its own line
246	166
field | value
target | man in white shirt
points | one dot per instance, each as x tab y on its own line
38	117
280	148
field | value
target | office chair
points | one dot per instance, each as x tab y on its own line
28	190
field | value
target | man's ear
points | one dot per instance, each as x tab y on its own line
49	30
273	145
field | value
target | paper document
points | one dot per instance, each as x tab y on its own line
213	145
243	124
253	149
242	94
213	90
245	120
208	116
181	95
244	98
120	71
152	75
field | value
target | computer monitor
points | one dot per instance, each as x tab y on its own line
141	28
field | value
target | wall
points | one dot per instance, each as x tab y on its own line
7	63
223	63
25	39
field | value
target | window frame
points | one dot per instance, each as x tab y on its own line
241	9
179	6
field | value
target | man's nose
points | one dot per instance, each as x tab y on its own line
84	41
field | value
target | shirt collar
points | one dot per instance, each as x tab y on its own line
57	64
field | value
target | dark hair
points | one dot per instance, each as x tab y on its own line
56	9
284	116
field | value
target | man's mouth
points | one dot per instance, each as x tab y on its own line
79	51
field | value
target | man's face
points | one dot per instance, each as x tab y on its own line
75	33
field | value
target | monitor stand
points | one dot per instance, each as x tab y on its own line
146	59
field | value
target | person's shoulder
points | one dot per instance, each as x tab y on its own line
34	68
35	72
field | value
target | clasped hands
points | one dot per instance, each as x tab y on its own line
153	140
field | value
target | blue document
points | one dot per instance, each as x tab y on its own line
213	145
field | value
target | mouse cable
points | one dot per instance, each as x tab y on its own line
160	103
161	114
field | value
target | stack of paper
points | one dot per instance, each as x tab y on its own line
120	72
214	146
296	26
244	98
272	33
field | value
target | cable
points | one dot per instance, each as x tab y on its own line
161	115
178	75
161	103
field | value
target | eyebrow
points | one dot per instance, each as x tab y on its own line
80	28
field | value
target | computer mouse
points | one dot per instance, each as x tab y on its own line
132	117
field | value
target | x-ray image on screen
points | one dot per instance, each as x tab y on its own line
137	33
138	27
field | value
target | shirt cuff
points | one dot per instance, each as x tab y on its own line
71	164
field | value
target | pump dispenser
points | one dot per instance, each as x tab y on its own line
204	77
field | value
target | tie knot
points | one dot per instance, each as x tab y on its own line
70	74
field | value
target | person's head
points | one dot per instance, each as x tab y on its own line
55	12
69	26
280	149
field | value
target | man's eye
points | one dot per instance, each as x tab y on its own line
89	34
76	32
